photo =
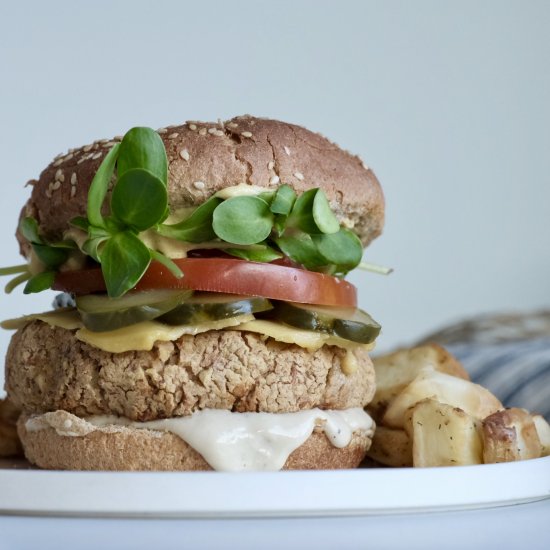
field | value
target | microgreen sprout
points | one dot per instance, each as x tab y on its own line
259	228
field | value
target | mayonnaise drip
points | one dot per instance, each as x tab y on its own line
228	441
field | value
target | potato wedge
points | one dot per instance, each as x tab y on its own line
543	431
395	370
510	435
444	388
443	435
391	447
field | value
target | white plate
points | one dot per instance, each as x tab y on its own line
259	494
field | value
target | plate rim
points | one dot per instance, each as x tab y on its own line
272	494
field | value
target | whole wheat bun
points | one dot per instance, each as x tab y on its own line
140	449
204	157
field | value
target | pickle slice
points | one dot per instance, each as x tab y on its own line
348	323
205	307
99	313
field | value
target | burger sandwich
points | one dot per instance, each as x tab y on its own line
204	321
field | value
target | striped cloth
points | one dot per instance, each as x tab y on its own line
518	373
508	353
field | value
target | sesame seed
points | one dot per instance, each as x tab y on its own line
57	157
212	130
270	165
173	136
56	185
202	132
287	150
73	178
233	125
118	138
68	157
274	179
48	194
96	156
58	162
59	174
219	133
220	123
184	154
103	141
299	175
87	148
109	144
365	166
162	131
81	160
73	191
192	127
246	134
199	185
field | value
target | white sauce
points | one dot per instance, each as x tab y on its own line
229	441
240	190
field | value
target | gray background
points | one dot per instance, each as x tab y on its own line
447	101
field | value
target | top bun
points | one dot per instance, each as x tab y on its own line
204	157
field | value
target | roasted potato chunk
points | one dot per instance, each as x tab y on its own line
391	447
395	370
510	435
443	435
444	388
543	431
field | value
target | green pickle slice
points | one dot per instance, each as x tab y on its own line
99	313
205	307
349	323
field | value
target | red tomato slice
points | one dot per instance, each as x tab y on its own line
230	276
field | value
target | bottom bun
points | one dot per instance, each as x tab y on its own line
142	449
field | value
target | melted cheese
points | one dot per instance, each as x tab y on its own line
228	441
308	339
142	336
67	318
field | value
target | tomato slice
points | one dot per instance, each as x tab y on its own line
230	276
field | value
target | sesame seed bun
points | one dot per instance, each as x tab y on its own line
205	157
123	448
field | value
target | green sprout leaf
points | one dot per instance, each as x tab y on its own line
323	216
81	223
167	262
139	199
40	282
124	260
197	227
344	249
302	213
50	256
100	185
91	247
143	148
12	270
259	253
28	227
302	250
16	281
283	201
243	220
